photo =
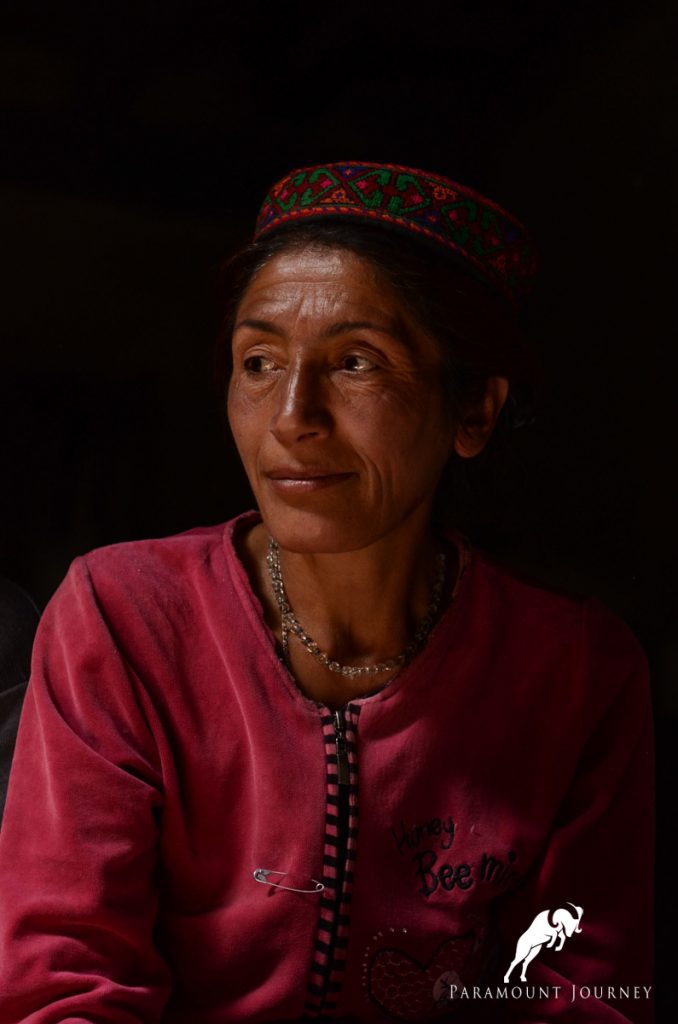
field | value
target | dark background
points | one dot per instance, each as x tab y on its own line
137	144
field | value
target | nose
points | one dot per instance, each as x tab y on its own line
301	410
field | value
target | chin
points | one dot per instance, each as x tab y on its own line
312	532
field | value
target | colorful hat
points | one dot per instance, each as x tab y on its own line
489	240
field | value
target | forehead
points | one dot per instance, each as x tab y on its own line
316	282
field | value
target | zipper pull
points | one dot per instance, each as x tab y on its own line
340	742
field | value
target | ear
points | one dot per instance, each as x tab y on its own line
476	427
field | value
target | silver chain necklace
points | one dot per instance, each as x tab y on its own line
290	623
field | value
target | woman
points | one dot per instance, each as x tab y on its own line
328	760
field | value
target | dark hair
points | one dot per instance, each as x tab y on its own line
477	329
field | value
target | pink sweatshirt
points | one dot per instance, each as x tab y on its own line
165	756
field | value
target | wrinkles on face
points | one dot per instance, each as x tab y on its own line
328	371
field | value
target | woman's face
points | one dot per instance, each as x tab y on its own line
335	403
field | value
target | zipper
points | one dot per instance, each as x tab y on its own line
339	725
343	808
331	942
340	743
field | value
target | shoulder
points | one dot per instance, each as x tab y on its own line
594	647
170	557
520	594
158	582
147	604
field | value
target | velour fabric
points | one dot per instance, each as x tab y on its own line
165	754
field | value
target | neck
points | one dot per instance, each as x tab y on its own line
364	605
361	607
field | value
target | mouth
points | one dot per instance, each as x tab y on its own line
289	480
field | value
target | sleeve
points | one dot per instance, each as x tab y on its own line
600	853
80	836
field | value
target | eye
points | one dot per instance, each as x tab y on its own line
357	364
258	364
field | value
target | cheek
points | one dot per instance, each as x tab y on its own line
406	444
413	423
242	422
244	410
232	411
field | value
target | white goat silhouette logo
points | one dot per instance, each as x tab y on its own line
548	927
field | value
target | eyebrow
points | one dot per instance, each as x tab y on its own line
258	325
333	330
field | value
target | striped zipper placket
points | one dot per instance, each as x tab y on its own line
341	831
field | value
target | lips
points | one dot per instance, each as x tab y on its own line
304	479
302	473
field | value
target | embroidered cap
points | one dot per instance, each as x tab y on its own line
488	239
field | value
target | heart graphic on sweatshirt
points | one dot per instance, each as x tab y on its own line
406	989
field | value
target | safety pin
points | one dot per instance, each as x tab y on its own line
261	875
